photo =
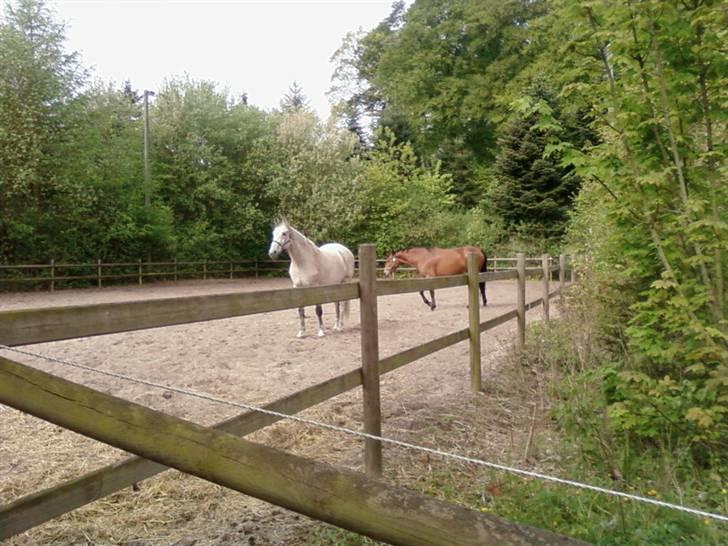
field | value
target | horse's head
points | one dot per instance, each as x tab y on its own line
391	265
280	240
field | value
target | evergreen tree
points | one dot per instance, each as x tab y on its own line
295	100
532	192
39	84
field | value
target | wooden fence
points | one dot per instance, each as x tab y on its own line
54	275
22	327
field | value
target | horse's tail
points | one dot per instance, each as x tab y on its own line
484	267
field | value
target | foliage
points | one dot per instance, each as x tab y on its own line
38	91
210	169
317	183
533	191
433	74
597	450
657	173
404	203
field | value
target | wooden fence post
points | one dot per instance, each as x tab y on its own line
204	269
546	267
370	357
53	275
175	269
476	384
521	300
139	261
562	276
98	271
231	269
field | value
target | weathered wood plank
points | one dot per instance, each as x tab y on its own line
521	301
34	509
404	286
370	358
476	383
497	321
339	497
498	275
398	360
28	326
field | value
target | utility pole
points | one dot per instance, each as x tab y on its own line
147	190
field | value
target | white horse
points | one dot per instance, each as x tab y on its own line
313	266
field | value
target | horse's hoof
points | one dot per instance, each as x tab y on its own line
432	307
338	328
321	333
300	334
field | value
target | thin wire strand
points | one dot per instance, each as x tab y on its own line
437	452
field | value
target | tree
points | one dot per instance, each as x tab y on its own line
39	86
532	191
295	100
317	187
658	171
434	76
404	203
213	159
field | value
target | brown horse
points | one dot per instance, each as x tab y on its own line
436	262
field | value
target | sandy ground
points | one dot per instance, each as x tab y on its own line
254	359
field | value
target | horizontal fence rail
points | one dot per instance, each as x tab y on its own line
27	326
100	273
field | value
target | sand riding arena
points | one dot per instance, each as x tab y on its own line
254	359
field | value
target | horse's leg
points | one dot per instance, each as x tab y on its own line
339	324
427	302
320	316
302	322
432	296
482	293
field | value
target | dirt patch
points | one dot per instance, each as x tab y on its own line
254	359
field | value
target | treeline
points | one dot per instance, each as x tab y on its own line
594	127
72	172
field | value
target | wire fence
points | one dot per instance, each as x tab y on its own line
390	441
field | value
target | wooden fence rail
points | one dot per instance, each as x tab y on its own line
35	326
100	272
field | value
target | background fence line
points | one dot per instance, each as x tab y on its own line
99	273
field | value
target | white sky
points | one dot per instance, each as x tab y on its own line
257	47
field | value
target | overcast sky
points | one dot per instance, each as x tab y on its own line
256	47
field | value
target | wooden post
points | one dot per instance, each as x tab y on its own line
370	357
53	275
98	271
341	497
231	269
139	262
546	267
562	276
521	300
175	269
204	269
256	268
474	323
